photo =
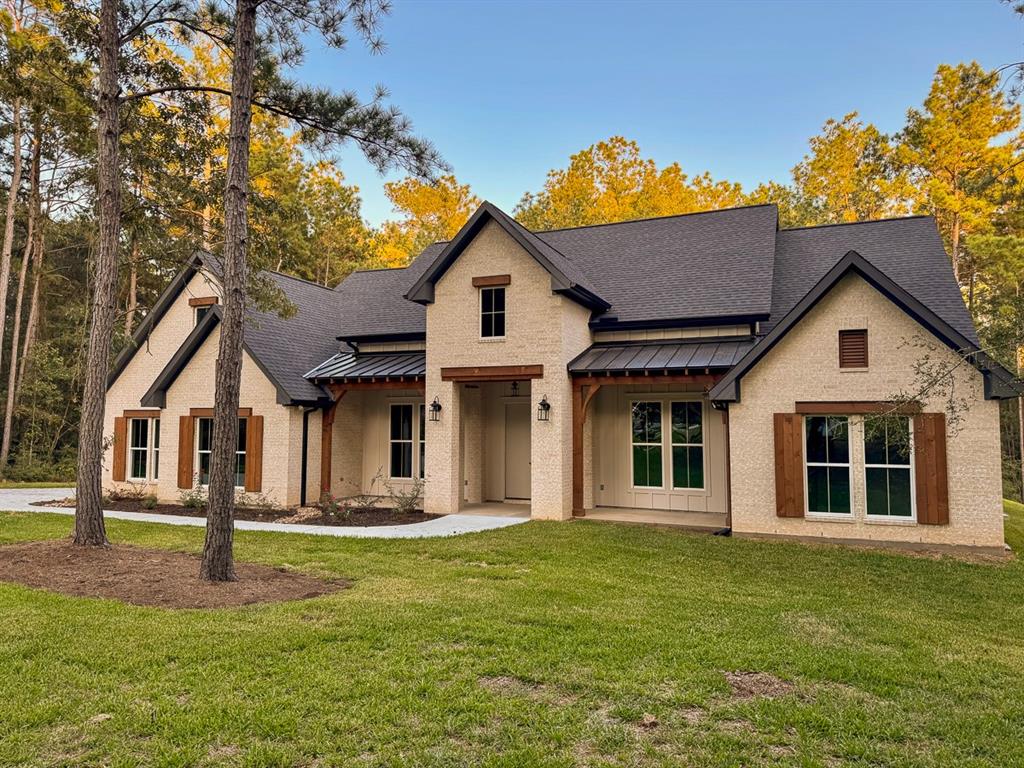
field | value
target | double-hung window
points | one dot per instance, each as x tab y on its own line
687	445
401	443
143	450
492	312
204	448
423	439
887	470
647	444
827	456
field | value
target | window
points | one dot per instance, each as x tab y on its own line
853	349
492	313
827	456
204	447
201	312
687	445
423	438
144	449
401	440
646	443
888	481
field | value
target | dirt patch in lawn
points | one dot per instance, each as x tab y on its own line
153	577
359	517
750	685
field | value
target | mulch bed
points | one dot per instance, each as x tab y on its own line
153	577
362	517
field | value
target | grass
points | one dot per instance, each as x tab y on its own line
545	644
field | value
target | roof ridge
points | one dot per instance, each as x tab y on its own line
298	279
855	223
651	218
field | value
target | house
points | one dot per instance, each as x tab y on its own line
707	367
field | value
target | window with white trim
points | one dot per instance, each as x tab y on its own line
827	464
423	438
687	445
647	451
492	312
204	449
888	472
400	441
201	312
143	449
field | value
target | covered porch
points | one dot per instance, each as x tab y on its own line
648	445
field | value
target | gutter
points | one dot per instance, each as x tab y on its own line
305	452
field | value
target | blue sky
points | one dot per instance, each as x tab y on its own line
508	90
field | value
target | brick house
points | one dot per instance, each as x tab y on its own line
710	369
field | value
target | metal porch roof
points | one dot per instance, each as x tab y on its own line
661	356
347	365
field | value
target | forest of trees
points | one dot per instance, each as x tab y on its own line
959	157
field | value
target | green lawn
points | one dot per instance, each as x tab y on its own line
542	644
36	484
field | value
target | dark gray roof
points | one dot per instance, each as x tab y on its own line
909	251
661	356
288	347
700	265
373	365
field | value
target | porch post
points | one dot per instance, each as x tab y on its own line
443	492
577	449
327	442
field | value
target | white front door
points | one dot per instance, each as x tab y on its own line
517	450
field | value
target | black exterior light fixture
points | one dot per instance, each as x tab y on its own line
515	389
544	409
435	410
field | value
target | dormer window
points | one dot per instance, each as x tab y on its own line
492	312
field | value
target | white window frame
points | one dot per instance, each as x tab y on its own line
913	479
481	313
848	464
200	310
702	445
421	455
152	451
632	445
413	440
197	452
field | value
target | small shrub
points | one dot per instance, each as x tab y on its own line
371	498
129	492
260	501
405	498
194	497
332	506
149	501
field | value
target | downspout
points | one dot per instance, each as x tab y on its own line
727	531
305	452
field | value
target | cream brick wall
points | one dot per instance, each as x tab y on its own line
542	328
282	426
804	366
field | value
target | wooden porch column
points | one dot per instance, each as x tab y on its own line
580	404
327	441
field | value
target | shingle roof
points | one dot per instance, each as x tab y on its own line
661	355
699	265
909	251
346	365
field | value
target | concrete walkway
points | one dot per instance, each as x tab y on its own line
20	500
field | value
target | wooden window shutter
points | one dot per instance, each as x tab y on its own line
186	425
789	465
254	454
853	349
120	447
931	479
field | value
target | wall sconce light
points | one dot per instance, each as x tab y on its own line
515	389
544	409
435	410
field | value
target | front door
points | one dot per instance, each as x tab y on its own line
517	451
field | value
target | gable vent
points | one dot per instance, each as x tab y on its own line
853	349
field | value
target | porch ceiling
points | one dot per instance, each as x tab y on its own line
661	356
355	367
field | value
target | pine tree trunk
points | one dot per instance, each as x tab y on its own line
12	202
33	312
26	256
207	208
89	527
133	290
1020	419
218	558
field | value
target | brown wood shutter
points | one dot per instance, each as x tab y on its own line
120	447
186	425
853	349
789	465
931	478
254	454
